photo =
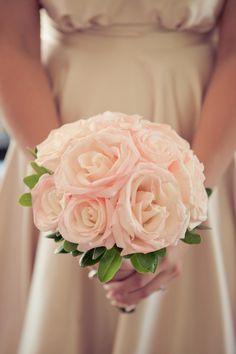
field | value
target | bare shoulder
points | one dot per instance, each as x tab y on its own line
227	43
20	23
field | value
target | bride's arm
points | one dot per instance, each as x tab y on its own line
25	98
214	143
215	138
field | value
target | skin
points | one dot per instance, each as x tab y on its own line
25	93
25	97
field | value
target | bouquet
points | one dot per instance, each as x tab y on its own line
115	187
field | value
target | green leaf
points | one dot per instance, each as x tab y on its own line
87	259
40	170
69	246
128	256
26	200
191	238
60	249
137	263
98	251
209	192
33	152
125	310
76	253
161	252
144	263
202	227
56	236
109	264
52	236
31	181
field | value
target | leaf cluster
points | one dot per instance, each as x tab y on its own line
31	181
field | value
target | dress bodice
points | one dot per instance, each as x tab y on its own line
191	15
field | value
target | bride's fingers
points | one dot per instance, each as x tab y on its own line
157	283
132	283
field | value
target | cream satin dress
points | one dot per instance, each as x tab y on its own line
154	58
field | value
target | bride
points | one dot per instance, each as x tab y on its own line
172	62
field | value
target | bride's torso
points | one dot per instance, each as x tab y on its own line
95	64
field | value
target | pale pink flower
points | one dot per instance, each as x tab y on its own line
166	130
98	164
116	120
157	146
119	179
150	214
190	177
48	204
86	221
51	149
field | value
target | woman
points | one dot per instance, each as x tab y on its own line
154	58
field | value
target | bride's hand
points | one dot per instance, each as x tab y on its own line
137	286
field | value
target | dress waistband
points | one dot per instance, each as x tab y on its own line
122	30
51	31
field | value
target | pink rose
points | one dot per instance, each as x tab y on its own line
86	221
190	176
115	120
166	131
51	149
150	213
98	164
157	147
48	204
